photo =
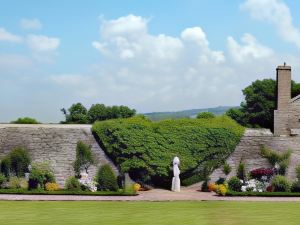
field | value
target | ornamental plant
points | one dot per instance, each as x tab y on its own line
106	179
40	174
51	187
226	168
235	184
72	184
261	172
19	161
84	158
281	184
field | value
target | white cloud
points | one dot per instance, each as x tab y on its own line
278	14
249	50
41	43
9	37
30	24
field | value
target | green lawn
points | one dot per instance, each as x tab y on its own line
142	213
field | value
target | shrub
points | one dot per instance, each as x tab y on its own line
145	149
2	179
204	186
281	184
259	173
40	174
226	168
25	120
298	172
296	186
106	179
17	182
205	115
221	180
5	166
72	184
275	157
241	171
19	161
136	187
222	189
51	187
84	158
211	187
235	184
283	167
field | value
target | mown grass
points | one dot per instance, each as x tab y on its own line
143	213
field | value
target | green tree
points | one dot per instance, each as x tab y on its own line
84	158
260	100
106	179
205	115
77	114
25	120
97	112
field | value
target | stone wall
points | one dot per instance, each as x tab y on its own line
55	144
249	150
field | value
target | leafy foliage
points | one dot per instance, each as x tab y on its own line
226	168
20	160
106	179
2	179
25	120
281	184
5	166
241	171
260	100
145	149
72	184
235	184
205	115
40	174
84	158
77	113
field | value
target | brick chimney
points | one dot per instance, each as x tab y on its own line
283	87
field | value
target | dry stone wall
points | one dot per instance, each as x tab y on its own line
249	151
55	144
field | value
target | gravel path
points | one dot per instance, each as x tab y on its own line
153	195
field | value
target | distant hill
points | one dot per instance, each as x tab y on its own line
190	113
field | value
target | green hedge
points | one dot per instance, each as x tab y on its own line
263	194
145	149
64	192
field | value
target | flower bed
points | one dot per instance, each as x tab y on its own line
262	172
262	194
66	192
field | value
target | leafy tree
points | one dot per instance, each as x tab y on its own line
19	161
106	179
84	158
97	112
77	114
260	100
25	120
205	115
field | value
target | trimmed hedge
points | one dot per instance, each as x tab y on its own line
106	179
145	149
64	192
263	194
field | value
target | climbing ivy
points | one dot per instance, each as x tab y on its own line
145	149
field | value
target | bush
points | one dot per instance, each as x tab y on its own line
298	172
204	186
5	166
259	173
281	184
296	186
25	120
221	180
275	157
106	179
40	174
226	168
283	167
72	184
84	158
145	149
16	183
205	115
19	161
2	179
51	187
235	184
241	171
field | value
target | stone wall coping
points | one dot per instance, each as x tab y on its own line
255	132
59	126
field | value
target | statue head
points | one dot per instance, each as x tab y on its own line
176	161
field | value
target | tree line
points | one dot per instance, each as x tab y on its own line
79	114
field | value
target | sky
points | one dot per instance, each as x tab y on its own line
149	55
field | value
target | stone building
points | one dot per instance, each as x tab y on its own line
287	113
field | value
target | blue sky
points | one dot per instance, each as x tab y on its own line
149	55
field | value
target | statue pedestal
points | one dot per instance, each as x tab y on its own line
176	184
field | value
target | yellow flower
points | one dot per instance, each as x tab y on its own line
136	187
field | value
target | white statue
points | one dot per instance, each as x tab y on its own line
176	172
